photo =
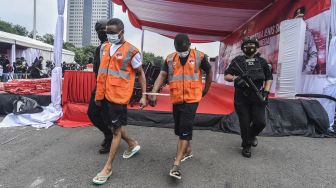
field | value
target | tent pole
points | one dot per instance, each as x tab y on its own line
142	43
13	53
34	22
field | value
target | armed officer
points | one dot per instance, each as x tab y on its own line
246	71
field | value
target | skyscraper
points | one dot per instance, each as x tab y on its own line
82	17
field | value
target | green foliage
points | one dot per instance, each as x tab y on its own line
151	58
11	28
48	38
83	54
69	46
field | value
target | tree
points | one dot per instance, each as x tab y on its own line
69	46
20	30
15	29
48	38
38	37
83	54
151	58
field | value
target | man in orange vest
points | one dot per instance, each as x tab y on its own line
183	69
116	76
95	113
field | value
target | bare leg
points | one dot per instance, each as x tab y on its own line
181	150
189	149
131	142
114	147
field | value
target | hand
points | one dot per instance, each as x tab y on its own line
152	100
265	96
143	101
99	103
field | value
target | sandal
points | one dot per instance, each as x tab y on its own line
175	172
100	180
130	152
186	157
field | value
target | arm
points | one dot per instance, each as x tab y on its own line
268	75
159	81
96	61
206	67
268	85
229	73
142	80
157	85
137	66
229	78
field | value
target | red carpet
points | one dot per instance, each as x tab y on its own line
219	100
74	115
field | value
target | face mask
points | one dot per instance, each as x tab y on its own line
183	54
102	36
113	38
249	51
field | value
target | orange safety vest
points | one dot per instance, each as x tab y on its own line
116	75
185	82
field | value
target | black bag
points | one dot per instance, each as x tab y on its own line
24	105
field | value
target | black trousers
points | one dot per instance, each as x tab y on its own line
96	116
251	114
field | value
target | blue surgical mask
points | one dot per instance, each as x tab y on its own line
113	38
183	54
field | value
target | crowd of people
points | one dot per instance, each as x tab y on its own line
40	68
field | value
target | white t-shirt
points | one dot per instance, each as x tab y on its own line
136	60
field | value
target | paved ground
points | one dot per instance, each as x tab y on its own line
59	157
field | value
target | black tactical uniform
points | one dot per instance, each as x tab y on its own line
250	109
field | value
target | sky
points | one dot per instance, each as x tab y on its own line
21	12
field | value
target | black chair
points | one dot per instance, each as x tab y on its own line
151	74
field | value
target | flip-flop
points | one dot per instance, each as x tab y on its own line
100	180
175	172
186	157
130	152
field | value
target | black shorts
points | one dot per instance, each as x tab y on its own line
184	115
115	114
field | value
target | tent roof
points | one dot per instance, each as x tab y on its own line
28	42
204	21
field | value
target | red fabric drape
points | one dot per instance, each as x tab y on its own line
77	86
76	94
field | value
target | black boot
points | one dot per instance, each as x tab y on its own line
254	141
246	152
107	140
106	145
105	148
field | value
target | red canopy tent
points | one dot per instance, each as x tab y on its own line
203	21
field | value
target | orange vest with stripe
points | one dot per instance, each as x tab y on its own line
185	82
116	75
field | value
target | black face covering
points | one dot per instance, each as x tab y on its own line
102	36
249	51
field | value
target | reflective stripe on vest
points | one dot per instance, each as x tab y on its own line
122	73
194	77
